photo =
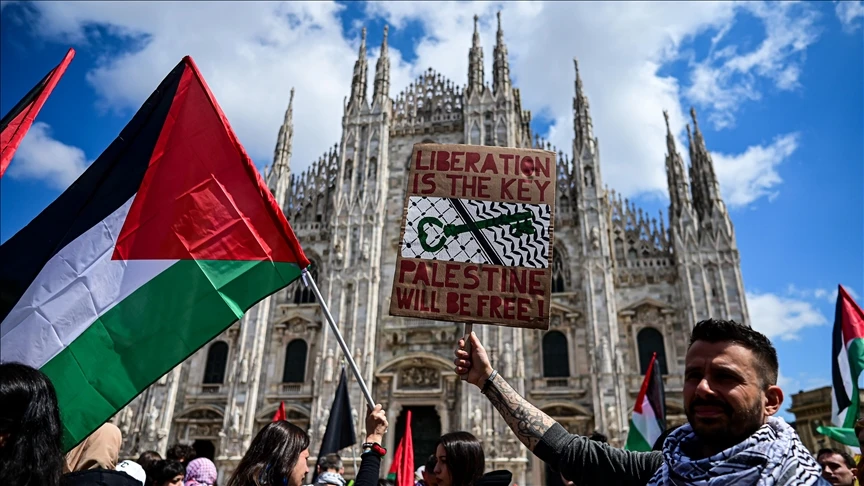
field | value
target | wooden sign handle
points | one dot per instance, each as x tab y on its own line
469	327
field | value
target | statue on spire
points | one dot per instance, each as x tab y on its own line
358	81
475	63
382	73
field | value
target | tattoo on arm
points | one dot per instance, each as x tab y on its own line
527	421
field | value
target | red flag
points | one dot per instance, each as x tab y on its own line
15	124
403	461
280	414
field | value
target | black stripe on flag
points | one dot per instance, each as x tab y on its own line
657	395
106	185
478	234
837	387
25	101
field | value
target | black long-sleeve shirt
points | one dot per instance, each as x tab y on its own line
585	461
370	466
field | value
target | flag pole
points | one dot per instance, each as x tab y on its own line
469	328
310	282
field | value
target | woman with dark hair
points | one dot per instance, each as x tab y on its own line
166	473
461	463
278	455
31	452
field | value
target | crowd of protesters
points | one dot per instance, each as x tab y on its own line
731	438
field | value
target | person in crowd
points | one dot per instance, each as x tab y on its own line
93	461
133	469
331	470
148	458
428	472
31	450
838	467
200	472
460	461
859	432
182	453
730	398
279	454
166	473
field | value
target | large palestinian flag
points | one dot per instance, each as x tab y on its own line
17	122
649	415
163	242
847	363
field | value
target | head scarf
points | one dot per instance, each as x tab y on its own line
772	456
100	450
200	472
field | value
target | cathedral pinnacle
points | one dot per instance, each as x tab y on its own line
358	81
475	63
679	189
501	65
282	154
382	73
582	125
706	189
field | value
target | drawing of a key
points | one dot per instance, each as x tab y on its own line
520	224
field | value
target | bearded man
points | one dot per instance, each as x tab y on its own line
731	438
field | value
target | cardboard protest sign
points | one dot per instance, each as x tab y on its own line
476	242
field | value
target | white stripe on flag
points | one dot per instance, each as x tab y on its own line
79	284
838	417
646	422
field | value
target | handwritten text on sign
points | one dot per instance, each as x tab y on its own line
476	236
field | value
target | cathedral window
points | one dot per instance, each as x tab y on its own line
489	133
475	135
650	341
302	293
217	359
349	171
373	168
295	362
560	280
619	248
501	134
556	361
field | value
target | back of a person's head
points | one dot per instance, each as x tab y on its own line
148	458
330	462
271	456
598	437
430	464
465	458
847	458
30	422
181	453
162	471
201	471
719	330
100	450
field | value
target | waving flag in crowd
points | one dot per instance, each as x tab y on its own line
649	414
161	244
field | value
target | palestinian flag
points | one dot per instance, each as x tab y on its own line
402	469
649	415
163	242
17	122
847	362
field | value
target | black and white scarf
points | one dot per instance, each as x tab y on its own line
772	456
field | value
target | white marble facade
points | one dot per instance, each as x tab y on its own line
626	284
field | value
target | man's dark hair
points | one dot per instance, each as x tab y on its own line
148	458
330	461
719	330
847	458
160	472
181	453
597	436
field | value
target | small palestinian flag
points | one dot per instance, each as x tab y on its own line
160	245
402	469
17	122
649	415
847	363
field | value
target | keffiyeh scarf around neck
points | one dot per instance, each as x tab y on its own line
772	456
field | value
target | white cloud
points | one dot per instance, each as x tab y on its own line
753	174
782	317
823	294
41	157
848	12
727	77
251	53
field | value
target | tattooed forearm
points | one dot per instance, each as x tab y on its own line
527	421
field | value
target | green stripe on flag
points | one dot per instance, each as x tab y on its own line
150	332
635	441
843	436
855	356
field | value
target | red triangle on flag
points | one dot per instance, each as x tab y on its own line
280	414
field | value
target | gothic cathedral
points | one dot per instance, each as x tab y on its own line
625	286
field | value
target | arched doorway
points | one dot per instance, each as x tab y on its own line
425	431
204	448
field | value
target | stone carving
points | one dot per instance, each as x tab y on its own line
595	238
124	420
477	423
328	366
235	422
418	377
152	419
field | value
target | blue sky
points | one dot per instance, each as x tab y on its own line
779	89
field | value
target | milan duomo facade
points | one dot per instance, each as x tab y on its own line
625	286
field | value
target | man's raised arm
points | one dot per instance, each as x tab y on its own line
577	458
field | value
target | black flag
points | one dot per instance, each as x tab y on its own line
340	429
